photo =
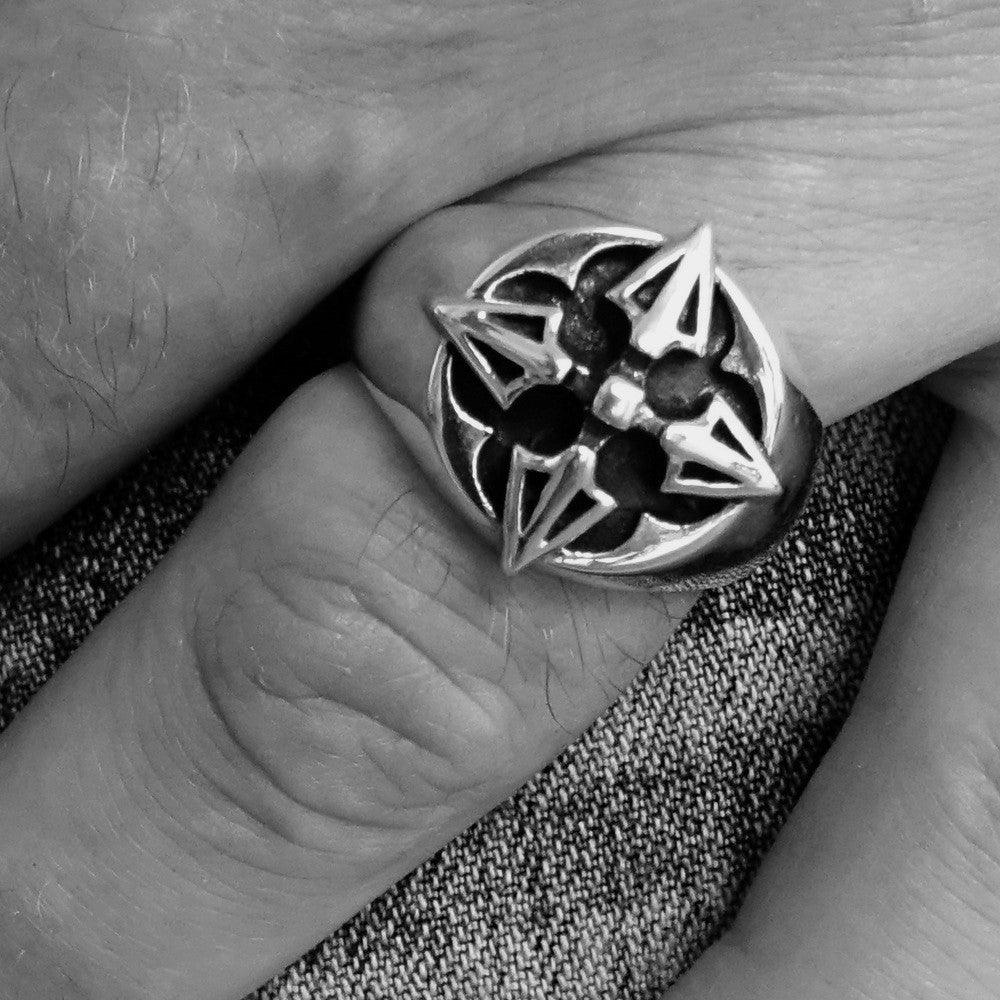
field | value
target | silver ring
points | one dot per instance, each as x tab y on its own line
612	403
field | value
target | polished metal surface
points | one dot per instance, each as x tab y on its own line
631	402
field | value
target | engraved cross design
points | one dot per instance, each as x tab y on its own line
712	455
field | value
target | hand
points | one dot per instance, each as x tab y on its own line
327	678
182	180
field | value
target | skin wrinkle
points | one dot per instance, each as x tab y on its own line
930	907
375	609
289	816
968	811
315	694
256	856
929	17
527	630
169	805
421	529
277	822
739	140
925	957
439	791
985	963
986	754
337	706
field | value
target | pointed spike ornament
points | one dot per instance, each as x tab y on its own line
746	470
657	330
737	455
527	538
471	323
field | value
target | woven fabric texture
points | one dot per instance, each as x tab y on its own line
610	871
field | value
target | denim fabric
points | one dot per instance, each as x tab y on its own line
610	871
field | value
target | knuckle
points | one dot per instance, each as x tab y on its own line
345	725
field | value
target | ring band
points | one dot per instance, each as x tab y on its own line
615	405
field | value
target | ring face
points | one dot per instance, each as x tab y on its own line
613	402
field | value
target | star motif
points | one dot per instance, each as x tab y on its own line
713	454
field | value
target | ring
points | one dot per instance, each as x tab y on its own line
613	403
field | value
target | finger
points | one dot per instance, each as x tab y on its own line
325	680
175	195
886	881
859	309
